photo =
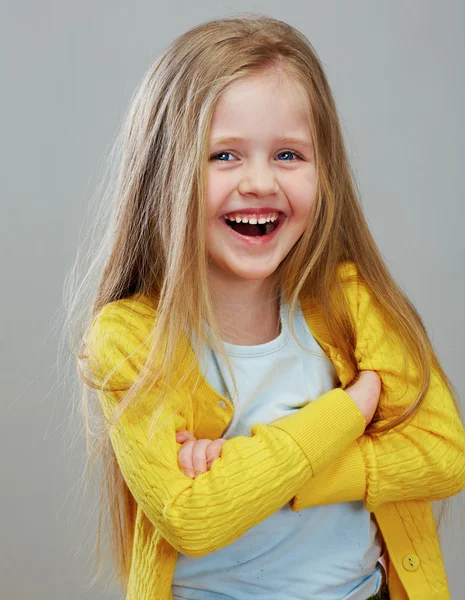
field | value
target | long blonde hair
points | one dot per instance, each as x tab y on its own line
148	235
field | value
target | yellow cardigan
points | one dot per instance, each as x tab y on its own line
316	455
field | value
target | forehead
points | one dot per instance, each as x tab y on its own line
260	106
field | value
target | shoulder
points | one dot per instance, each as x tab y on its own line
363	303
135	313
118	338
348	273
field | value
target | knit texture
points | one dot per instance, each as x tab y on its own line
316	455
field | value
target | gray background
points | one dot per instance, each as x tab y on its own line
397	72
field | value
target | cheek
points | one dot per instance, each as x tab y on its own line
303	200
216	194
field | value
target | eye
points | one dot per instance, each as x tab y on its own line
290	152
216	156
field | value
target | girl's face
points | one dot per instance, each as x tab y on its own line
261	173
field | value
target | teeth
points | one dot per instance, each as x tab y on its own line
251	220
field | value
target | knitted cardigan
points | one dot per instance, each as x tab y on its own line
316	455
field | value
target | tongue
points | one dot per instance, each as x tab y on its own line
246	228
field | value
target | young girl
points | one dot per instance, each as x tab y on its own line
276	422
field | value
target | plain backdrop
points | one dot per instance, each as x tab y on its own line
397	70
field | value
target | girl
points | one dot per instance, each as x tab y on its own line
244	316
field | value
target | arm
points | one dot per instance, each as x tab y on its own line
263	470
424	459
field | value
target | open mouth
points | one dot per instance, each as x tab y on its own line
248	229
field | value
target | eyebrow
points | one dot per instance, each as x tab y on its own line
284	139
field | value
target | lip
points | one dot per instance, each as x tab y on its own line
253	211
255	240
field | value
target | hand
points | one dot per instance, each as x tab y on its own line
196	456
365	393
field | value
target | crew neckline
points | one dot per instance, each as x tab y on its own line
238	350
267	347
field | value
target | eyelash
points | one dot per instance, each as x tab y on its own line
299	156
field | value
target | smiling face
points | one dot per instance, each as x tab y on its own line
261	166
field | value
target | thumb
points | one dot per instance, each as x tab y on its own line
184	436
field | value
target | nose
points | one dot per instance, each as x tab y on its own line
258	179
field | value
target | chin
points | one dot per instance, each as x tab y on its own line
235	271
250	274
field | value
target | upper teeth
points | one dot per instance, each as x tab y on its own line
253	220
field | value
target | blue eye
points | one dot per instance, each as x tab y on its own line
289	152
216	156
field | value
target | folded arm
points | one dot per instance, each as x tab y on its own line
424	459
255	476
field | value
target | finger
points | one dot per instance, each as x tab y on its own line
185	458
214	450
184	436
199	456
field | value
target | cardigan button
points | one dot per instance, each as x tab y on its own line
411	562
222	403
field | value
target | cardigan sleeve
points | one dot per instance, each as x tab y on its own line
424	459
263	470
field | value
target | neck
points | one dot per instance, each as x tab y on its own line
247	311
